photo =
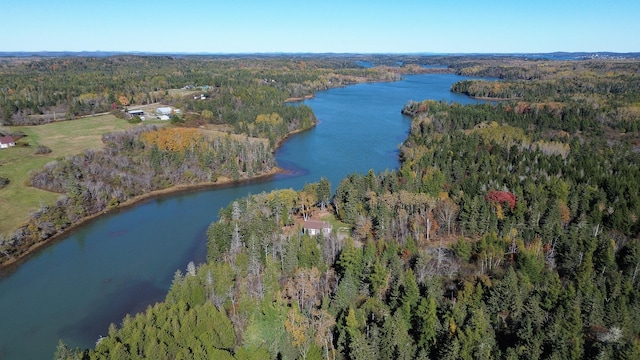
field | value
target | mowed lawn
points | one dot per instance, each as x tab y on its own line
18	200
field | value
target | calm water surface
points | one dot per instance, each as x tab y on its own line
125	261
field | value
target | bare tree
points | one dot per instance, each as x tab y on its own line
446	211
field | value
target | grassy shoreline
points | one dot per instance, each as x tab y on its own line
18	200
12	262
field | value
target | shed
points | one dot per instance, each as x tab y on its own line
164	111
133	113
6	142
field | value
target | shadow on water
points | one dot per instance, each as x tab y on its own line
132	298
198	252
290	170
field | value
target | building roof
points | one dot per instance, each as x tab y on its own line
6	140
315	224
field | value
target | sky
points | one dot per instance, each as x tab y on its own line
347	26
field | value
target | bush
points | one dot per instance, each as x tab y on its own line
135	120
41	149
118	113
463	249
176	119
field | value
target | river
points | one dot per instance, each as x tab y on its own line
122	262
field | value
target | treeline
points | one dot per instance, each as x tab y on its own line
36	91
514	68
133	163
549	121
609	88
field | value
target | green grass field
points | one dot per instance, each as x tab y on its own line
17	200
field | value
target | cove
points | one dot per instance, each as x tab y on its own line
122	262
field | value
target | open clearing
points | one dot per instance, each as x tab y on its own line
17	200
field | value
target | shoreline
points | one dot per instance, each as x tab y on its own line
13	262
298	99
486	98
286	137
7	266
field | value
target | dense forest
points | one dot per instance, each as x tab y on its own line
608	88
510	231
134	163
34	91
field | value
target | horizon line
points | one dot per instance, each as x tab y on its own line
426	53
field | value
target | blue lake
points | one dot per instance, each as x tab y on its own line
123	262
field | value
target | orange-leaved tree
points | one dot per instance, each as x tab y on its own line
173	139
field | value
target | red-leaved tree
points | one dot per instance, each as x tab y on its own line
501	197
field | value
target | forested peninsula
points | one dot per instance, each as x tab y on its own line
510	231
233	114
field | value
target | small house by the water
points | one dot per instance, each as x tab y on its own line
314	227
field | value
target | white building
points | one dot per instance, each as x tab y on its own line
164	111
133	113
315	227
6	142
